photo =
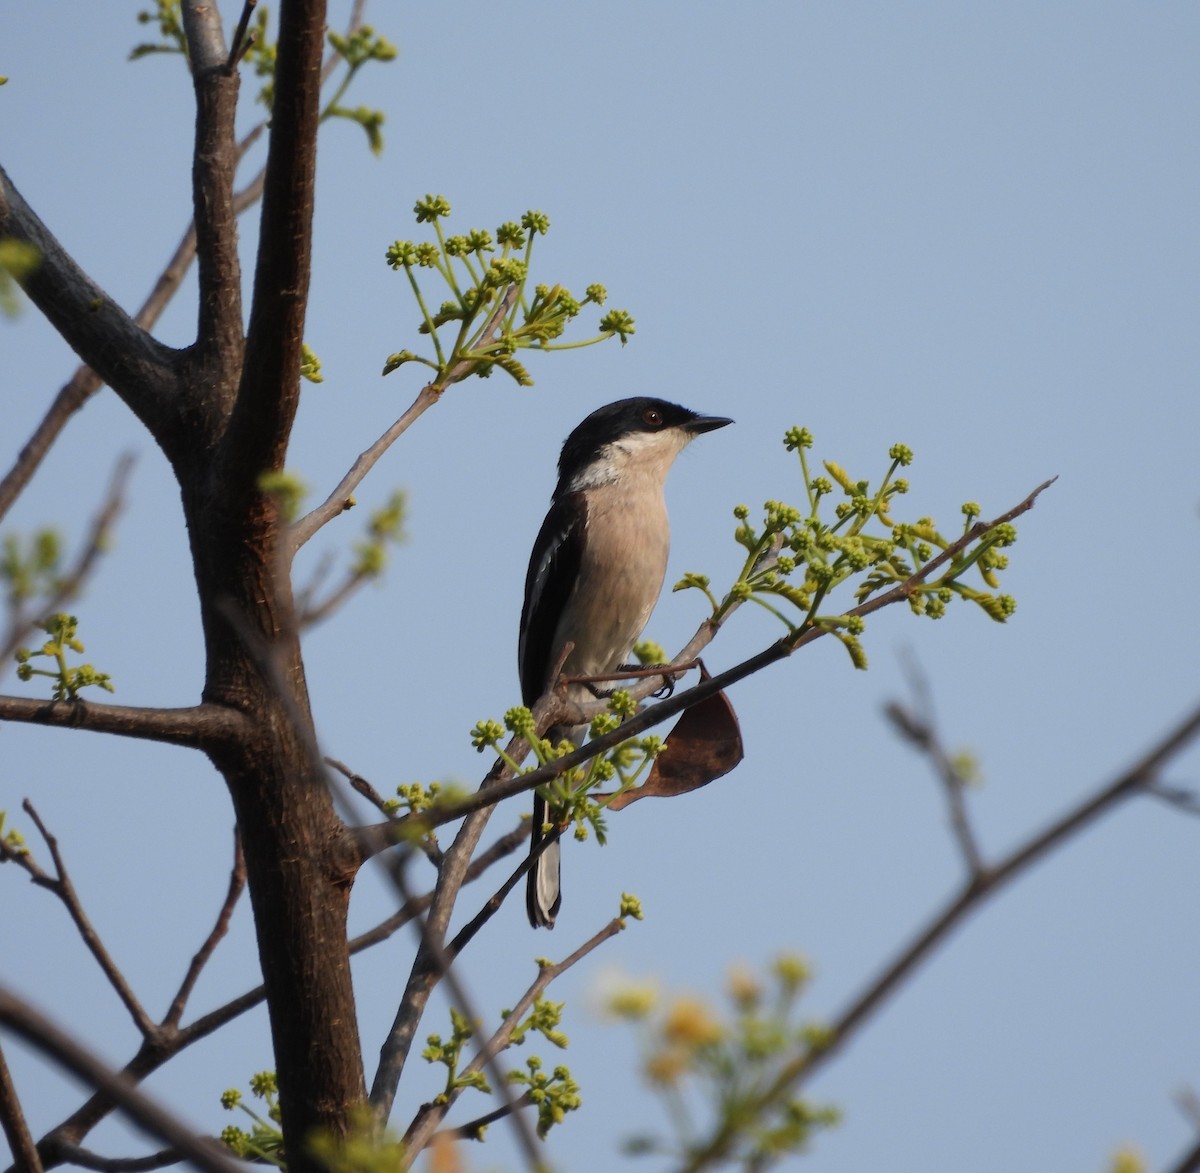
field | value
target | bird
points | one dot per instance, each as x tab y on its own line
595	573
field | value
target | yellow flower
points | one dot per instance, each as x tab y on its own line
690	1023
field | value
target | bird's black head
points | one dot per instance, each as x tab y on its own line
626	419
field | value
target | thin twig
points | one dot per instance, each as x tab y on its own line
503	846
240	45
313	613
237	882
21	623
342	497
61	886
1181	799
304	595
473	1129
794	1074
917	726
360	784
86	1159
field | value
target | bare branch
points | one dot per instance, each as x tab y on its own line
428	967
84	383
1184	800
917	727
1131	782
360	784
60	885
139	368
241	43
16	1128
237	882
198	727
1189	1162
21	623
315	613
219	339
503	846
86	1159
268	392
205	36
27	1023
342	498
473	1129
989	883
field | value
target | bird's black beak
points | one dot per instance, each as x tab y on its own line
707	423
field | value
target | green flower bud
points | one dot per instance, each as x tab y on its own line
618	322
480	240
401	254
431	208
427	255
537	222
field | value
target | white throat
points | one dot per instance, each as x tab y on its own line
640	456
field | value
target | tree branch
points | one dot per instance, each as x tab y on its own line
427	968
552	709
917	727
459	999
84	383
988	883
341	498
16	1127
197	727
1137	779
219	339
473	1129
237	882
171	1040
1189	1162
86	1159
27	1023
269	389
140	369
60	885
431	1115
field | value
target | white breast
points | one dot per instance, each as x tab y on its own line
620	577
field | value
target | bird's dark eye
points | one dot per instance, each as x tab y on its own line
652	417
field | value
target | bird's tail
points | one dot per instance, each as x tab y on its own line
543	894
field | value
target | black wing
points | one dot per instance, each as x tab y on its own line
553	570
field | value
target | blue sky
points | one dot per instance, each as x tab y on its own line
968	227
